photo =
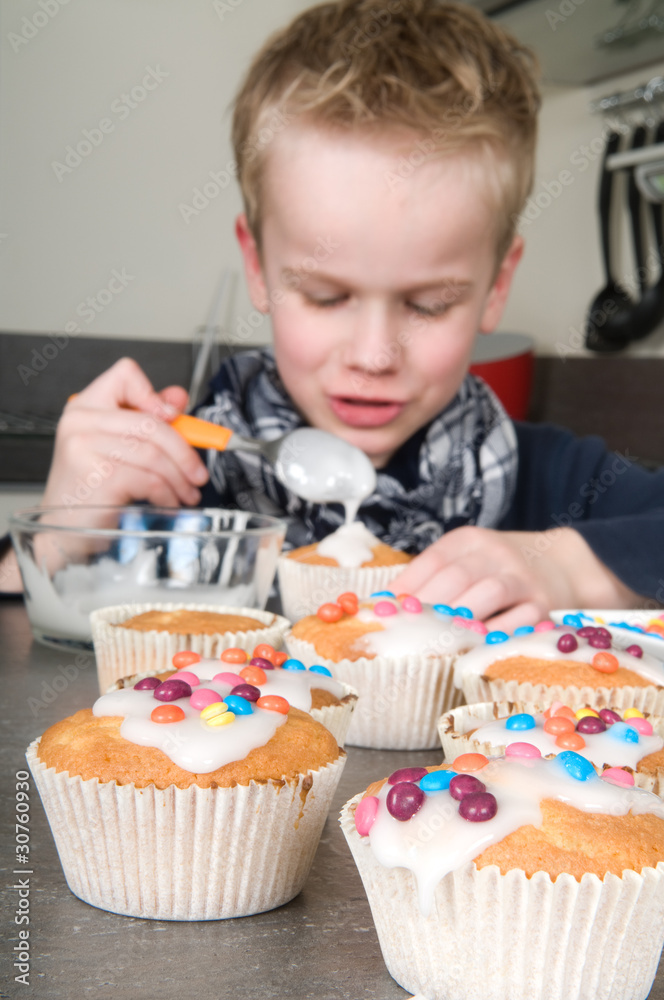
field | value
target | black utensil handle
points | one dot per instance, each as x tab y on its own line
635	202
604	203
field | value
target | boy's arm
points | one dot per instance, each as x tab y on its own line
593	533
114	446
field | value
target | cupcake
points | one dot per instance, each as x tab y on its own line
608	739
181	802
517	877
351	558
314	690
143	638
397	654
576	666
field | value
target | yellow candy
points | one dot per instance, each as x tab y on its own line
632	713
221	720
600	621
216	708
583	712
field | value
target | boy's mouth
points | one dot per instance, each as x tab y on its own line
365	412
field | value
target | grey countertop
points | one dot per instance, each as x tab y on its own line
321	945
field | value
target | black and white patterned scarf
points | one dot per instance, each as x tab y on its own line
460	469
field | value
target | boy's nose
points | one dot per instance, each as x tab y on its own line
373	344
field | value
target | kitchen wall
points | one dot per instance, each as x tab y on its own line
118	187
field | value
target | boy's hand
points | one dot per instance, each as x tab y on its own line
108	453
512	578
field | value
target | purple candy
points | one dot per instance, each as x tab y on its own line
407	774
586	631
404	800
247	691
478	807
465	784
634	651
600	641
147	684
590	724
172	689
260	661
608	716
603	631
567	643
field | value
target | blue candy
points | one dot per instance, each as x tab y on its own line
521	721
436	781
293	664
443	609
576	765
383	593
463	612
623	731
492	637
574	620
524	630
238	705
319	669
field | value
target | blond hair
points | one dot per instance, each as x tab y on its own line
441	70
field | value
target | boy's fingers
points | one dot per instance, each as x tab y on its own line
527	613
125	384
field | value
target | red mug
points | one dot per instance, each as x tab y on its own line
505	361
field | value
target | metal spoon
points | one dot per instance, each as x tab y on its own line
313	464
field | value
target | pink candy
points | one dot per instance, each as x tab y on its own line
227	678
412	604
521	750
476	626
185	675
641	725
385	608
461	622
365	814
544	626
203	697
617	776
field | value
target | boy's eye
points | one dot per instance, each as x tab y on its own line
325	301
437	308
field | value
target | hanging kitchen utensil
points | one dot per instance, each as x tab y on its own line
635	203
610	313
649	311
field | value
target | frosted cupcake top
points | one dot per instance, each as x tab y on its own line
590	644
602	737
210	713
434	822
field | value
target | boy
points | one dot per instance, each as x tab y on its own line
379	233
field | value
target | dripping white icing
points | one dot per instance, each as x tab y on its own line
351	545
406	633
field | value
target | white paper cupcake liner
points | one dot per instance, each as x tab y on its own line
400	699
185	854
647	699
120	652
304	587
508	937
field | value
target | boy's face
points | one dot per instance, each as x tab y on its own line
377	285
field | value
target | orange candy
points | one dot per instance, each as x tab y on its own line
570	741
274	703
167	713
330	612
253	675
234	655
266	651
558	724
469	762
607	663
348	602
185	658
565	712
279	657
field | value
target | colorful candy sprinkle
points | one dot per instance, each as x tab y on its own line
365	814
261	662
478	807
520	721
349	602
608	716
406	774
383	593
496	636
238	705
384	609
522	750
185	658
632	713
618	776
624	731
330	612
567	643
225	677
279	657
292	664
186	675
245	691
642	726
170	690
570	741
524	630
436	781
443	609
591	724
265	651
202	697
411	604
252	675
557	724
273	703
465	784
404	800
234	655
544	626
635	650
576	765
167	713
147	684
318	668
606	663
463	612
470	762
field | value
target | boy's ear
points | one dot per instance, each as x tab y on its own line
252	265
497	297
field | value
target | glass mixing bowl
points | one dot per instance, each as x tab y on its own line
76	559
